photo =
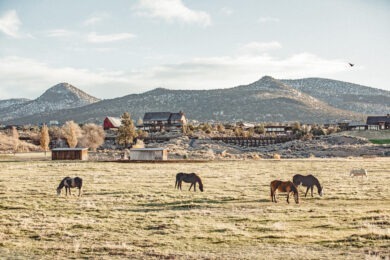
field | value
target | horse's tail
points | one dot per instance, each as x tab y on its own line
80	183
274	186
297	179
178	176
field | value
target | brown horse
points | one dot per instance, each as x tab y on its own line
284	186
68	183
189	178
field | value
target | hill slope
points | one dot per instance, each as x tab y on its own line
344	95
58	97
9	102
267	100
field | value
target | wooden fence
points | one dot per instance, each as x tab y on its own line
254	141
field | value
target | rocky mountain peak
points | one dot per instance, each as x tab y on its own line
65	92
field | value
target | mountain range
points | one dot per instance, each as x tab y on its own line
310	100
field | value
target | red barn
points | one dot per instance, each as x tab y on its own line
111	122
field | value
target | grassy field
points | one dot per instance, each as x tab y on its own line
131	210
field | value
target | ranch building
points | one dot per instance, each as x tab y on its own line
111	122
158	121
148	154
278	130
379	122
69	154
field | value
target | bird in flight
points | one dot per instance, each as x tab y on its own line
350	64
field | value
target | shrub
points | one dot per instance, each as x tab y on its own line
276	156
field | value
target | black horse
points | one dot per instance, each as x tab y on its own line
189	178
68	183
308	181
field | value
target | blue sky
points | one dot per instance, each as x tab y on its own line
114	48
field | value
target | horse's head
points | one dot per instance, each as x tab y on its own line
321	191
58	191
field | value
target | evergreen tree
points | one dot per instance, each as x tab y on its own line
126	131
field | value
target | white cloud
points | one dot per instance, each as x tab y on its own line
58	33
227	11
9	24
173	10
268	20
23	77
96	18
95	38
254	48
229	71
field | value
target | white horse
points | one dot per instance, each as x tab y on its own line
358	172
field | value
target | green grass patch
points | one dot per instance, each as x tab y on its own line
380	141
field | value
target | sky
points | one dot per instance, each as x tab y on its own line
114	48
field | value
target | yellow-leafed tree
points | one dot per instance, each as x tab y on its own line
45	139
71	132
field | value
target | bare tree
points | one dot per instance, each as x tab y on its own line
15	139
45	139
71	132
126	131
93	136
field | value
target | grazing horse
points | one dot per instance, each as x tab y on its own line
189	178
358	172
307	181
284	186
68	183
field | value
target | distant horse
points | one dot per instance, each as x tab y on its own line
189	178
358	172
68	183
307	181
284	186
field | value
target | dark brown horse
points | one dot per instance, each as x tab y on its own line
189	178
68	183
308	181
284	186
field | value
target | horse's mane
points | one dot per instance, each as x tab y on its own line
62	183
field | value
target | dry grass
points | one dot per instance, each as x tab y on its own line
133	211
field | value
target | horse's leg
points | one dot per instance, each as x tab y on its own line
312	191
70	194
288	196
194	186
307	190
79	192
191	186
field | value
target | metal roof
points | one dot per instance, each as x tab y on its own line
148	149
69	149
376	119
157	116
115	121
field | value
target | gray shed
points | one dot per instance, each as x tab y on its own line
148	154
